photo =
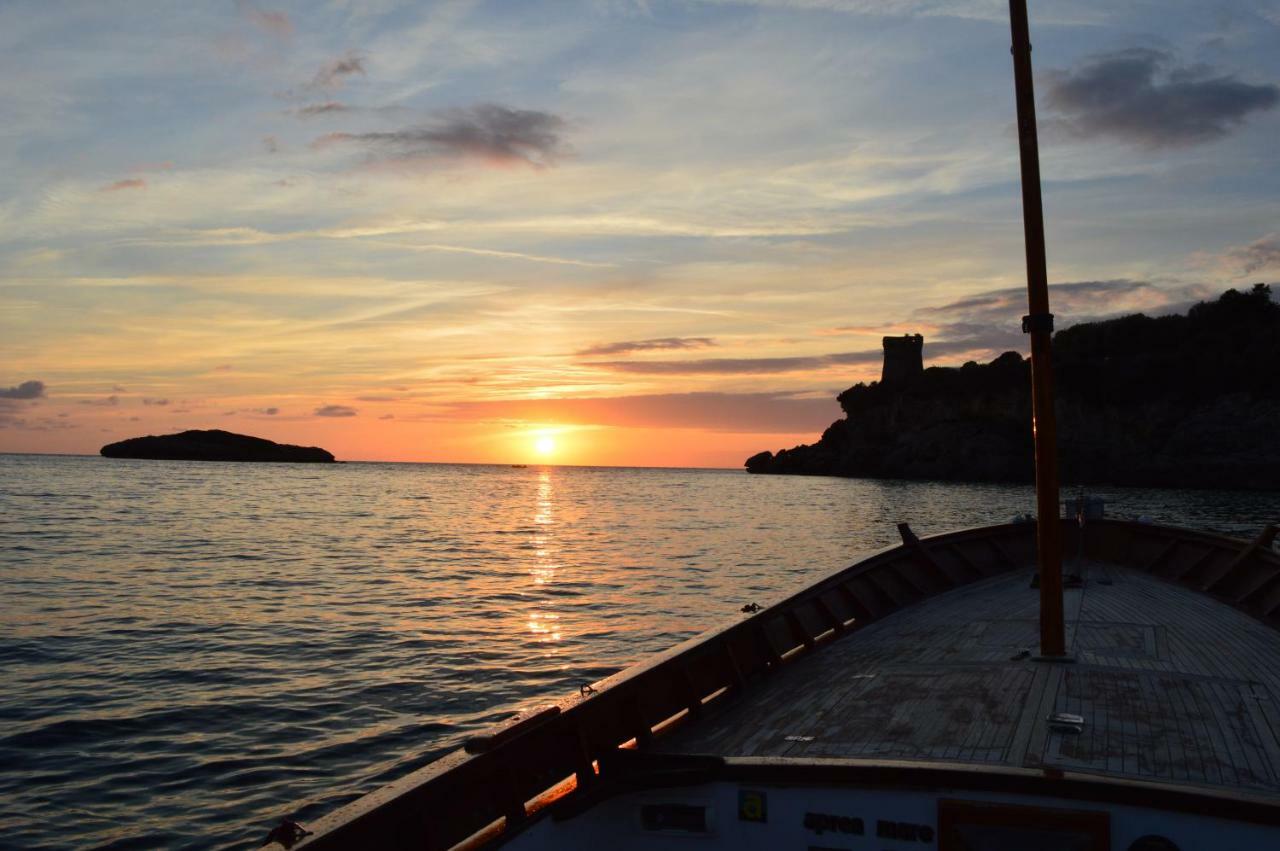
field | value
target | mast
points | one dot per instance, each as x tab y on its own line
1039	324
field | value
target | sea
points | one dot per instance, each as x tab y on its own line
191	651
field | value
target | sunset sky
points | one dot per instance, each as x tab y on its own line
649	233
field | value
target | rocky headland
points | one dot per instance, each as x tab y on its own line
214	445
1173	401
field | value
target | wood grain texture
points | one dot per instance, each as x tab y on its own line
1173	686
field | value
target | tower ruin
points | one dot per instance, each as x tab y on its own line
903	358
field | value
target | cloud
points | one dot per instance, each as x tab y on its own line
118	388
127	183
1140	96
270	144
333	74
1258	255
988	323
771	366
740	366
776	413
334	411
487	132
160	402
387	417
314	109
269	21
26	390
977	326
628	346
105	402
270	412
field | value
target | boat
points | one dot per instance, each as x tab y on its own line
955	691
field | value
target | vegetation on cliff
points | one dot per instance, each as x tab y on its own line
214	445
1178	401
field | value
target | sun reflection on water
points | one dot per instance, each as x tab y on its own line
544	626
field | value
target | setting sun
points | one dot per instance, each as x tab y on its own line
545	445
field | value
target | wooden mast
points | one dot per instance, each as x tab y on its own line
1039	324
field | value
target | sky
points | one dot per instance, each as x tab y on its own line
638	233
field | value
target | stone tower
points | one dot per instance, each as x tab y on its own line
903	358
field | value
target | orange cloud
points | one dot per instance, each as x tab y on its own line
127	183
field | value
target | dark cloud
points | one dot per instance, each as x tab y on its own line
314	109
335	411
487	132
333	74
979	326
271	144
271	412
160	402
1140	96
772	366
387	417
740	366
989	323
628	346
127	183
761	413
105	402
26	390
377	398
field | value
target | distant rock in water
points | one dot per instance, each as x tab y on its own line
214	445
1173	401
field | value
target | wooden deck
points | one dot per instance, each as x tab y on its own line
1173	686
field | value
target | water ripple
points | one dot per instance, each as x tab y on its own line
190	652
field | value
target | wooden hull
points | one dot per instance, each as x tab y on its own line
502	786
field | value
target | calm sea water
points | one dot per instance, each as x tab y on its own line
189	652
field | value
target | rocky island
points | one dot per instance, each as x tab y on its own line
1173	401
214	445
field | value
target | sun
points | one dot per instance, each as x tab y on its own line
544	445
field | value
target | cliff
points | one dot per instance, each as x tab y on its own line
1175	401
214	445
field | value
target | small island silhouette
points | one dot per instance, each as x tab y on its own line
214	445
1183	401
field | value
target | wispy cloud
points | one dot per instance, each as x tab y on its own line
741	366
990	322
660	343
269	21
127	183
333	74
1140	96
102	401
488	132
329	107
1259	255
980	325
335	411
26	390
